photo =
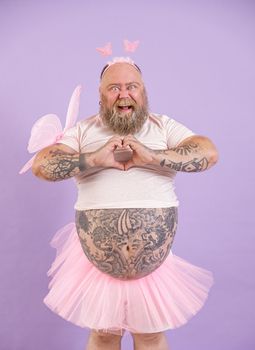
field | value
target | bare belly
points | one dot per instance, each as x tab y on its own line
127	243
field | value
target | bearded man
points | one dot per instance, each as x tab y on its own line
116	271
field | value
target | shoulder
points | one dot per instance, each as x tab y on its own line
162	120
87	123
166	122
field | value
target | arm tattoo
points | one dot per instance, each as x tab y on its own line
186	149
194	165
182	150
127	243
60	165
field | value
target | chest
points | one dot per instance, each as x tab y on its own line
96	136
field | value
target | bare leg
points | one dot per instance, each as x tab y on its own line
150	341
103	341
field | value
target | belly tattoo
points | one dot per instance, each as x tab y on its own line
127	243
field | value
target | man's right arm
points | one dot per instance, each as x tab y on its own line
60	162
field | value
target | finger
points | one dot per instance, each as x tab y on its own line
116	137
129	165
115	143
124	148
129	142
133	145
118	165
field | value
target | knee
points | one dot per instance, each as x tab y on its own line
148	338
101	337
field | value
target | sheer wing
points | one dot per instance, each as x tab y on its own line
45	131
73	108
27	165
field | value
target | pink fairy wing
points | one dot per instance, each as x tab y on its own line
106	50
45	132
27	165
130	46
73	108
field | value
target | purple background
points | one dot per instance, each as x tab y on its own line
198	63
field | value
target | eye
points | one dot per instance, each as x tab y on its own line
114	88
132	87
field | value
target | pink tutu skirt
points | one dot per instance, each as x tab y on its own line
87	297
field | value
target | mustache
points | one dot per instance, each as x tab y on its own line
124	103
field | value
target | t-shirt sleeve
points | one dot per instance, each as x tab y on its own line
176	133
71	138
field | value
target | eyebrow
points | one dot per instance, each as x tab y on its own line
117	84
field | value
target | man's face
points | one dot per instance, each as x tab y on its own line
124	105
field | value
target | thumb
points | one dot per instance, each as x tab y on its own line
119	166
128	165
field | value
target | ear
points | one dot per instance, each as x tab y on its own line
100	92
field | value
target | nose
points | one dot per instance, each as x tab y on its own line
123	93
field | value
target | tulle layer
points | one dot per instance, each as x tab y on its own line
83	295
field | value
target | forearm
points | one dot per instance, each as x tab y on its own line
196	154
55	164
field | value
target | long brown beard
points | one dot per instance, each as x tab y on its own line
129	123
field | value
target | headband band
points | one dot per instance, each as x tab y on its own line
119	60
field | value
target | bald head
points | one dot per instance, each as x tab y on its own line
119	60
121	72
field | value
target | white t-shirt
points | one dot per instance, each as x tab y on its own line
147	187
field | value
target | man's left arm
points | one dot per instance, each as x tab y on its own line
194	154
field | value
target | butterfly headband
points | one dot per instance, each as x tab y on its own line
107	51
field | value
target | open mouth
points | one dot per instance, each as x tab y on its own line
125	108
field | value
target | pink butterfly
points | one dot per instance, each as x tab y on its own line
130	46
106	50
47	130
